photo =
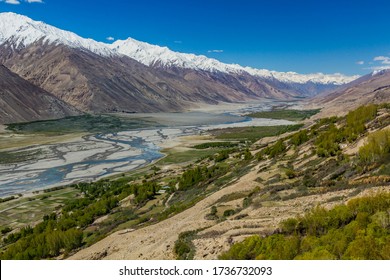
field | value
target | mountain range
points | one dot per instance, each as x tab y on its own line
372	88
133	76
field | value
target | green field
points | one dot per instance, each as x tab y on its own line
215	145
7	157
85	123
186	156
287	114
28	210
253	133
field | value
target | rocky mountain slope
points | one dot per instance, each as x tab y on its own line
21	101
372	88
133	76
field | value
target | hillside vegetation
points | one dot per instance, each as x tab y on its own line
282	178
286	114
359	229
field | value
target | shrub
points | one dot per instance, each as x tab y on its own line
358	230
376	148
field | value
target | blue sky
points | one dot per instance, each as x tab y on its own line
350	37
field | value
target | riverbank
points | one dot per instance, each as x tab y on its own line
89	157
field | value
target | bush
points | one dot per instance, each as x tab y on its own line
229	212
277	149
216	145
358	230
290	173
6	230
376	148
184	249
299	138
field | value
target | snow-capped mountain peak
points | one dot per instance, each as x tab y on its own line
152	55
21	31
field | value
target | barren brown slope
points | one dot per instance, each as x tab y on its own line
88	81
373	88
21	101
99	84
229	87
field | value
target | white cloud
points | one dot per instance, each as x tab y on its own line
17	2
215	51
360	62
110	38
382	59
12	2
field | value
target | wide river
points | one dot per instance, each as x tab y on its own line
95	156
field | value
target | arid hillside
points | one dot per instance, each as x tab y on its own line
21	101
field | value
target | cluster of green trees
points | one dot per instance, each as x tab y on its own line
329	138
184	248
356	121
64	232
300	138
9	198
144	192
327	135
328	141
222	155
216	145
377	147
253	133
195	176
246	155
276	149
46	240
358	230
285	114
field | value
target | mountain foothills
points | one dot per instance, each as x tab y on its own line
132	76
372	88
21	101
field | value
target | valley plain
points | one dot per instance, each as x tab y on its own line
118	144
244	188
126	150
